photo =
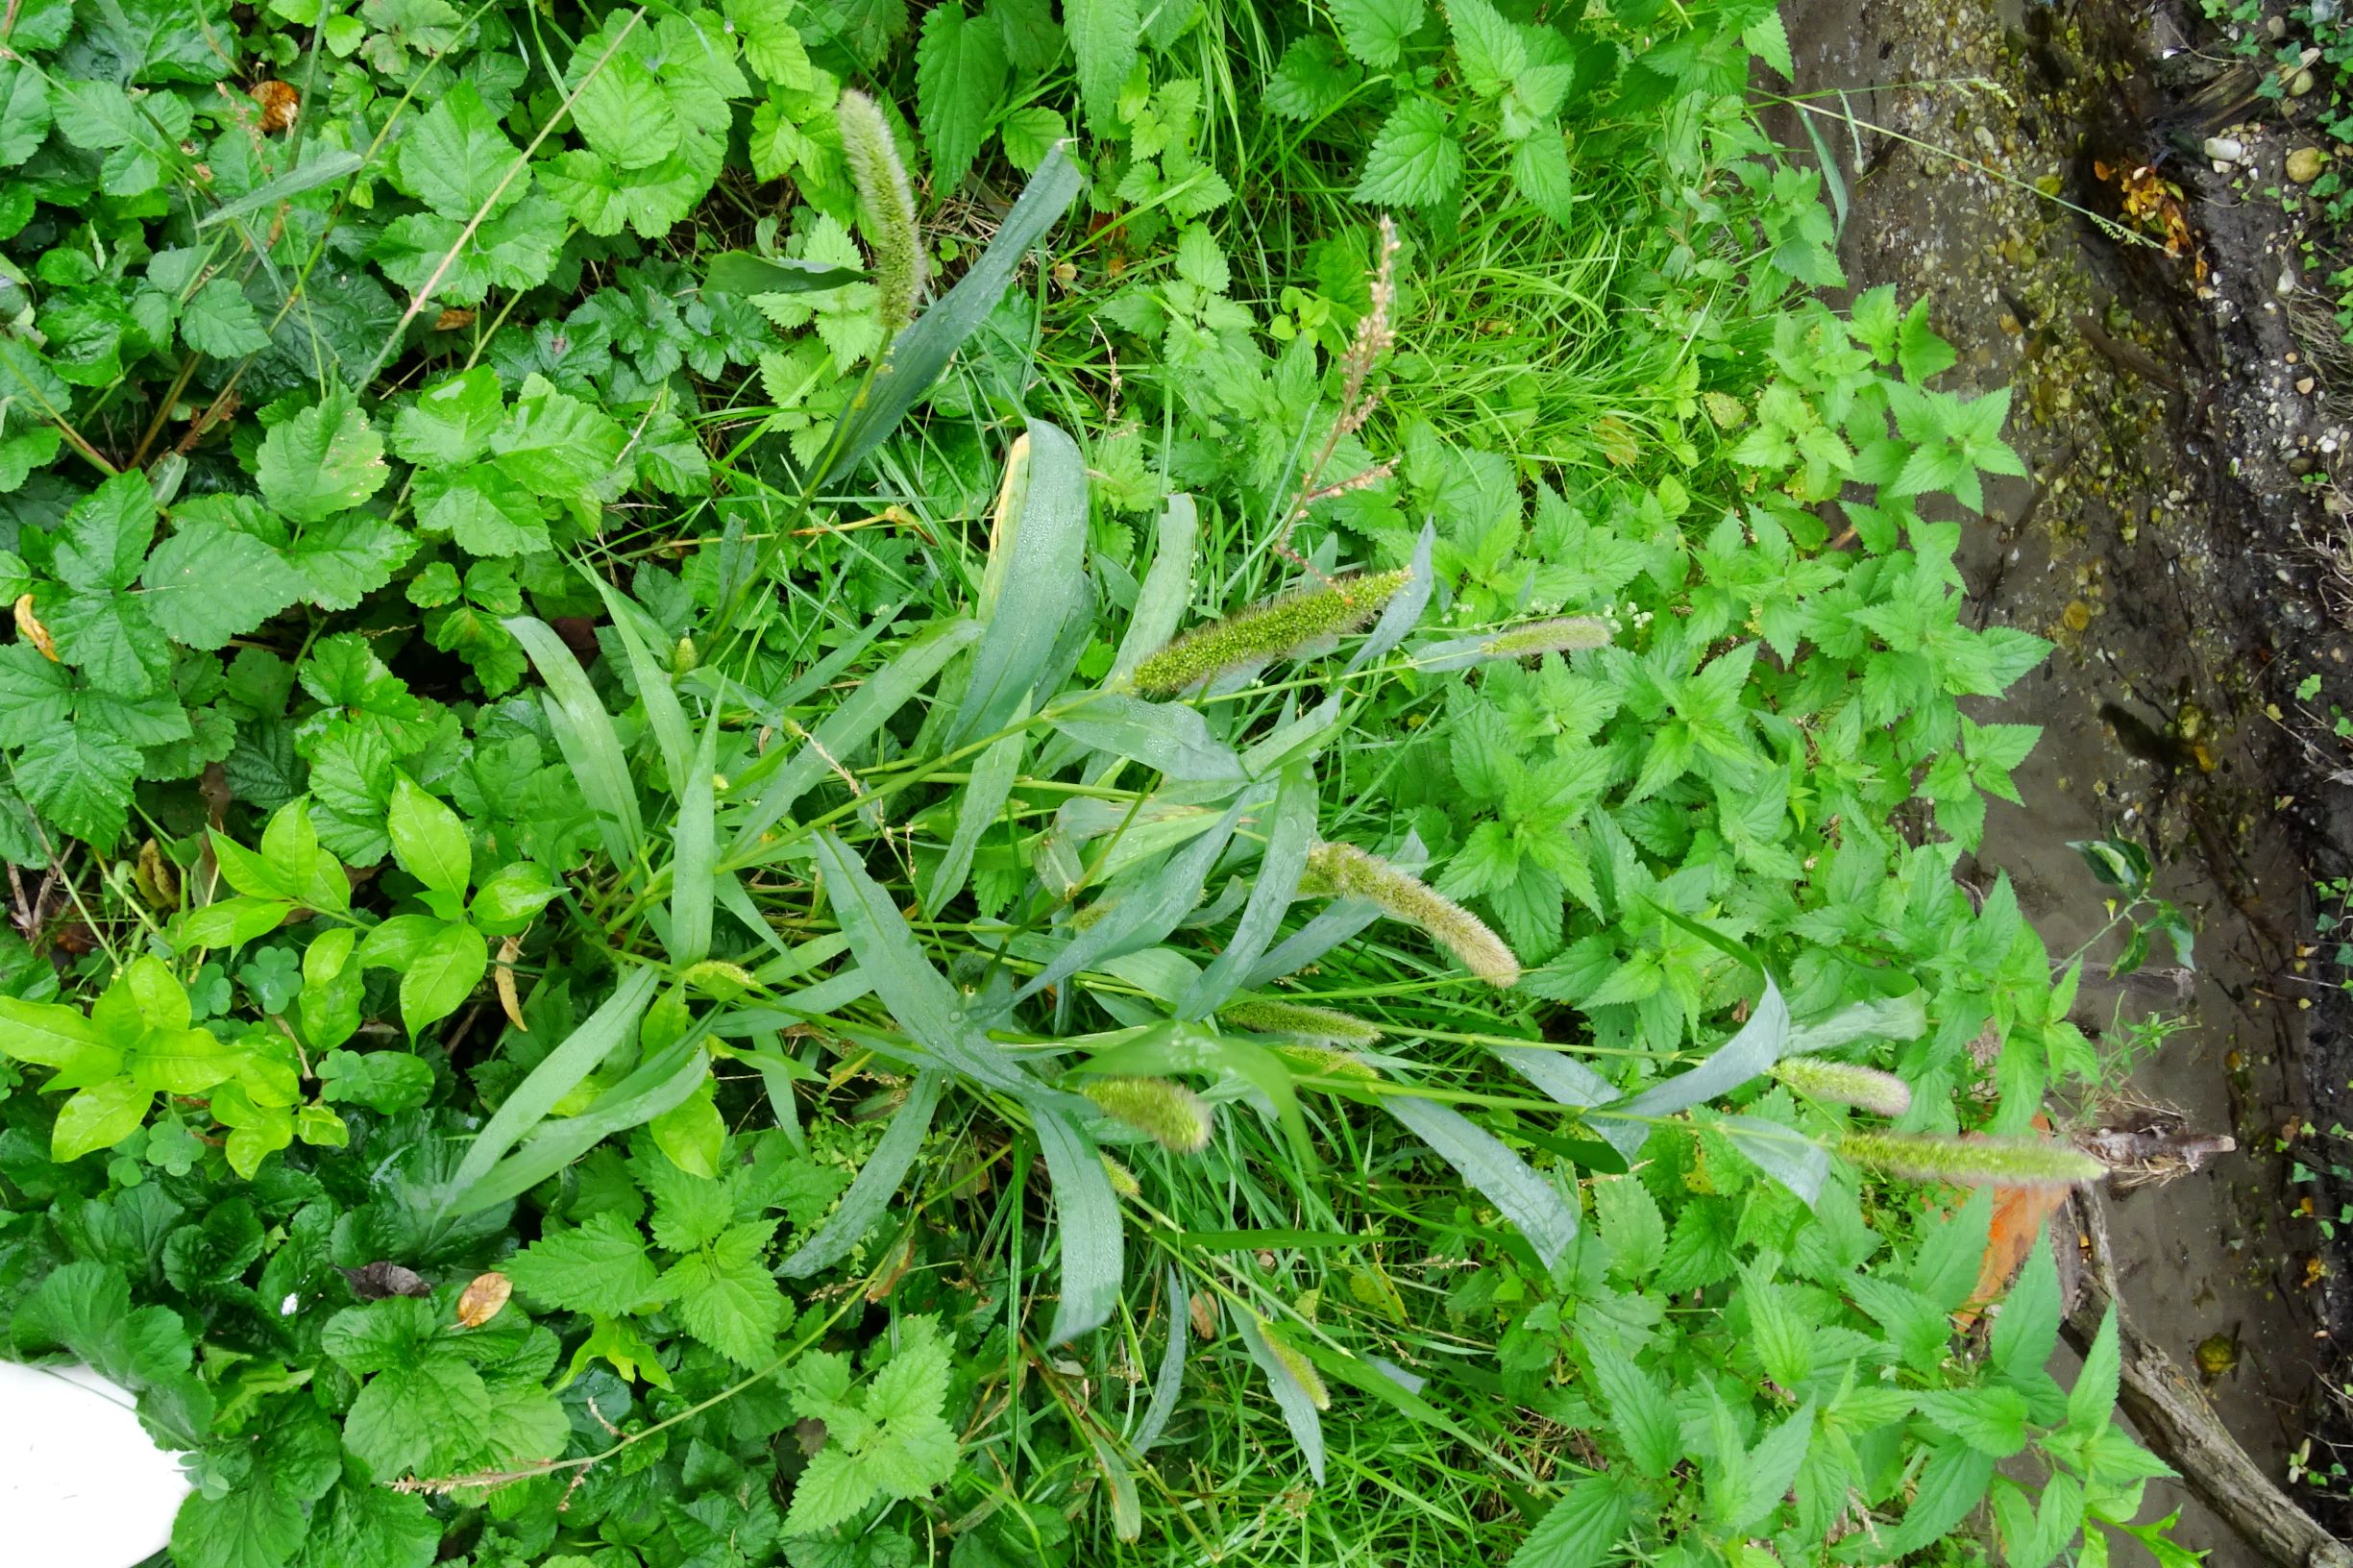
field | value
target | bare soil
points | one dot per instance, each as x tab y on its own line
2163	541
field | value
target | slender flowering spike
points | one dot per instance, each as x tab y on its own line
1867	1089
1302	1370
1297	1020
1972	1161
1122	1180
1323	1061
1342	870
889	204
1555	636
1170	1115
1270	631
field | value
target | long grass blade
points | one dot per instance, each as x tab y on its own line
1524	1197
876	1183
1291	1396
1037	555
920	352
1287	842
1086	1223
694	874
664	715
848	727
584	734
323	170
660	1085
918	996
1141	915
1168	583
1171	1379
984	799
558	1073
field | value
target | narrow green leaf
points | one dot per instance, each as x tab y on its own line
848	727
1142	913
1340	922
664	715
876	1183
1087	1224
585	733
1524	1197
323	170
558	1073
923	351
695	854
1288	841
739	272
1168	586
918	996
984	799
663	1082
1037	555
1170	1382
1169	737
1291	1396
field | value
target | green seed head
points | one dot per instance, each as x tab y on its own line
1271	630
1555	636
888	201
1302	1370
1297	1020
1843	1083
1168	1114
1972	1161
1122	1180
1342	870
1324	1061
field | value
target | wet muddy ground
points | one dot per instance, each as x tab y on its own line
2162	542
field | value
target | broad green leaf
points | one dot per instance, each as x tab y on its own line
454	157
381	1080
960	70
207	583
1104	35
1166	587
107	534
428	838
598	1266
1953	1483
2027	1329
220	321
1416	159
1374	31
50	1035
81	779
1990	1418
1582	1529
98	1117
626	116
2090	1404
325	459
691	1135
451	422
1640	1409
725	1297
442	974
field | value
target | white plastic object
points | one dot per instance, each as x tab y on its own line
81	1484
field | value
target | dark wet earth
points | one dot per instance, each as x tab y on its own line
2162	425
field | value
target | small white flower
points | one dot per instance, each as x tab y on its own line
285	1308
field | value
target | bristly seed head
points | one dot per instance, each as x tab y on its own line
1297	1020
1843	1083
1972	1161
888	201
1558	635
1270	631
1168	1114
1342	870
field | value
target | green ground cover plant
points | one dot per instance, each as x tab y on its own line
804	783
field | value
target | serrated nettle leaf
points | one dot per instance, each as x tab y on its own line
326	459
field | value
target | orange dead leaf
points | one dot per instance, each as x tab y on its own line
504	978
482	1299
33	631
278	102
449	321
2018	1213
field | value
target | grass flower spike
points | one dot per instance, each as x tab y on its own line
1168	1114
1342	870
1843	1083
1297	1020
1972	1161
888	201
1270	631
